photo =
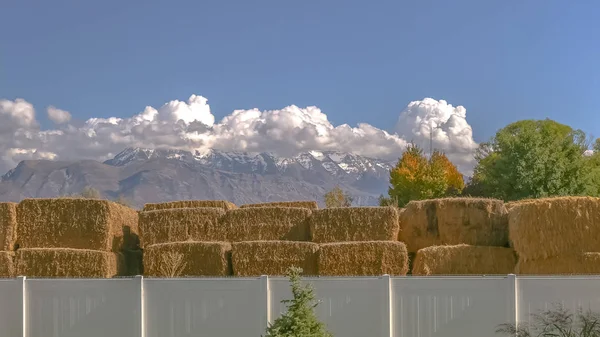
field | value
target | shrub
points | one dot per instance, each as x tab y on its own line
556	322
300	319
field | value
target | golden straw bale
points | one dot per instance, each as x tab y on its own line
586	263
179	224
66	262
464	260
76	223
367	258
452	221
552	227
224	204
263	223
354	224
8	225
253	258
6	264
302	204
188	258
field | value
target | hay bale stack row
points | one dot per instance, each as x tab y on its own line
8	237
457	236
558	235
68	237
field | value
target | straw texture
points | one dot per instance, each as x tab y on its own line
224	204
8	226
256	258
586	263
354	224
76	223
178	259
553	227
7	268
464	260
180	224
370	258
264	223
312	205
65	262
452	221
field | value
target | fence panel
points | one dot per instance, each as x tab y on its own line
540	293
450	306
83	307
11	307
204	307
350	306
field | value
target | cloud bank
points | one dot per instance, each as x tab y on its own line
191	126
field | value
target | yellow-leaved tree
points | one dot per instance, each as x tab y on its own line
416	177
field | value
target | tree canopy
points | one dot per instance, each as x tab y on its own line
534	159
338	198
416	177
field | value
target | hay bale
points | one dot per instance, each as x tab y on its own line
6	264
453	221
586	263
367	258
189	258
76	223
8	226
224	204
354	224
464	260
253	258
263	223
552	227
179	224
312	205
65	262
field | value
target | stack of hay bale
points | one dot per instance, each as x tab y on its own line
269	238
8	236
68	237
358	241
457	236
183	238
556	235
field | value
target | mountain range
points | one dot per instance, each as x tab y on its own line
155	175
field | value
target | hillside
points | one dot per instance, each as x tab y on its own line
149	176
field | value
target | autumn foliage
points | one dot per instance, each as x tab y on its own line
416	177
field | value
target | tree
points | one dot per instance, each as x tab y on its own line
300	319
90	193
533	159
123	201
416	178
338	198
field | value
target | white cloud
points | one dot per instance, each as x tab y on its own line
58	116
191	126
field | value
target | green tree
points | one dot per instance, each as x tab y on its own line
416	177
338	198
90	193
300	319
533	159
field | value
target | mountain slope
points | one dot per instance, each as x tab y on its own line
148	175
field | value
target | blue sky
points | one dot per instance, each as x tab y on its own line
358	61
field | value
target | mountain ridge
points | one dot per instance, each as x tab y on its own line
144	175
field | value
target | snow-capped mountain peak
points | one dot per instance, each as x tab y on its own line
333	162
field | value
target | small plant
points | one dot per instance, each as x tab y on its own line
556	322
172	264
300	319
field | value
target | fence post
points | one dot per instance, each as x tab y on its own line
264	279
22	282
389	318
514	297
140	280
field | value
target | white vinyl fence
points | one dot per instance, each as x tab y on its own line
230	307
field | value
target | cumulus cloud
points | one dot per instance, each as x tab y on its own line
190	125
58	116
